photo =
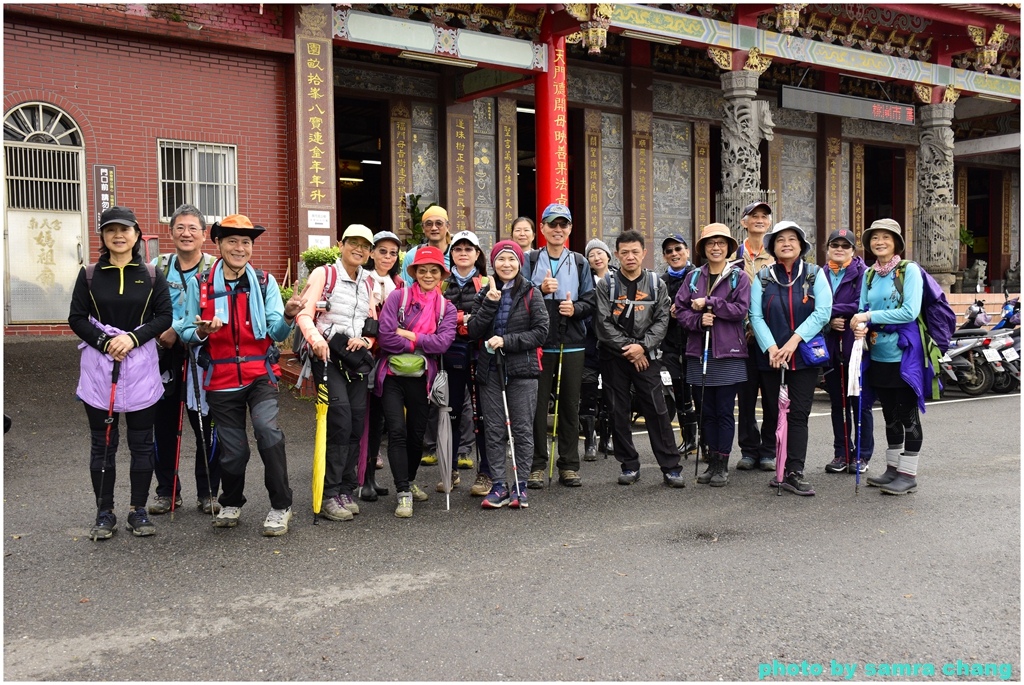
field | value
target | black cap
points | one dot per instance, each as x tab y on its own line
117	215
674	238
844	233
754	205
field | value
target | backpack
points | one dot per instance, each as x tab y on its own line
936	320
581	266
90	269
764	275
300	346
405	301
696	273
165	266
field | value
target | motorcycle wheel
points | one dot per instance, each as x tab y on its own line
1005	383
981	380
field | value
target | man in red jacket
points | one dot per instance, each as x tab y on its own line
237	313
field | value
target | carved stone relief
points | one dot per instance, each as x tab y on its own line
423	116
877	130
671	137
380	82
484	227
798	184
935	166
611	131
673	185
483	116
611	167
793	119
670	97
592	87
424	166
483	172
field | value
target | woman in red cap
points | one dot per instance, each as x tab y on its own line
416	328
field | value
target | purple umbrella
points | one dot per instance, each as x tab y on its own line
782	431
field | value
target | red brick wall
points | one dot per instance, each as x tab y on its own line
127	92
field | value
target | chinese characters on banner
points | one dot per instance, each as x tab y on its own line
42	236
315	114
592	119
643	156
561	111
507	162
104	188
460	170
401	123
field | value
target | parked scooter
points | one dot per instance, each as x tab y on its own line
965	362
1010	315
1007	347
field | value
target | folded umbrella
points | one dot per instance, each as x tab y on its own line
782	431
439	393
320	444
854	390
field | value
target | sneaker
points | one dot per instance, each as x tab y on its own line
456	482
417	493
276	522
106	526
674	479
139	523
465	461
535	480
837	465
404	508
518	500
162	505
334	509
629	477
227	517
795	482
380	462
767	464
569	478
746	463
207	505
428	459
481	486
496	498
863	467
349	503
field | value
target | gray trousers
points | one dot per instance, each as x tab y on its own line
522	406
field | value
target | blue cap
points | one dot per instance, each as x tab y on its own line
555	211
676	238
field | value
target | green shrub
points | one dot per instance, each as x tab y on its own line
319	256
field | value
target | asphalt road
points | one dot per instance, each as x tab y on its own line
602	582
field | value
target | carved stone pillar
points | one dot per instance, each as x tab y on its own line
745	123
937	217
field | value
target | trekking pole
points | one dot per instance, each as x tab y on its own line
846	423
860	408
177	447
202	432
500	360
703	378
558	396
114	373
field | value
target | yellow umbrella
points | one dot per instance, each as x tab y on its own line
320	444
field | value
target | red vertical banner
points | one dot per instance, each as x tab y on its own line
552	107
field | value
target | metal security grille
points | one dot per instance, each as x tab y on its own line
200	174
43	178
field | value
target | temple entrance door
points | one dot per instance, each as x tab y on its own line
360	129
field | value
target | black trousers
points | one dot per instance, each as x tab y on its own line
345	414
801	386
571	372
756	443
227	407
902	419
619	376
140	444
405	403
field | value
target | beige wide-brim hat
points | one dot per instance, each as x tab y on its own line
715	231
883	225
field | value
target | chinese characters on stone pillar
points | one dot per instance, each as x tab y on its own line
460	171
507	165
401	125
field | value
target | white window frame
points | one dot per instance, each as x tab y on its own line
193	188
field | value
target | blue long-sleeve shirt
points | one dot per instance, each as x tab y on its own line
810	326
883	301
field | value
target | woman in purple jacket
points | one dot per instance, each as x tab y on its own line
845	270
712	303
416	327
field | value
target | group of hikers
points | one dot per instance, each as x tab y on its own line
193	334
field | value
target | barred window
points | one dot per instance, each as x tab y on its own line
200	174
42	154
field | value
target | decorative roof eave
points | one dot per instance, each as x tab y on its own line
431	42
701	31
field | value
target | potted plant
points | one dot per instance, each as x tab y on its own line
966	242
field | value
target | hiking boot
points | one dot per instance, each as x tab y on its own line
105	527
746	463
465	460
837	465
334	509
404	508
569	478
518	500
207	505
884	479
863	467
589	438
482	485
276	522
456	482
162	504
609	447
417	493
348	502
674	479
536	480
139	523
496	498
705	478
629	477
720	477
429	459
380	462
795	482
767	464
227	517
900	485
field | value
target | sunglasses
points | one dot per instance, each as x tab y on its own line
673	250
841	246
